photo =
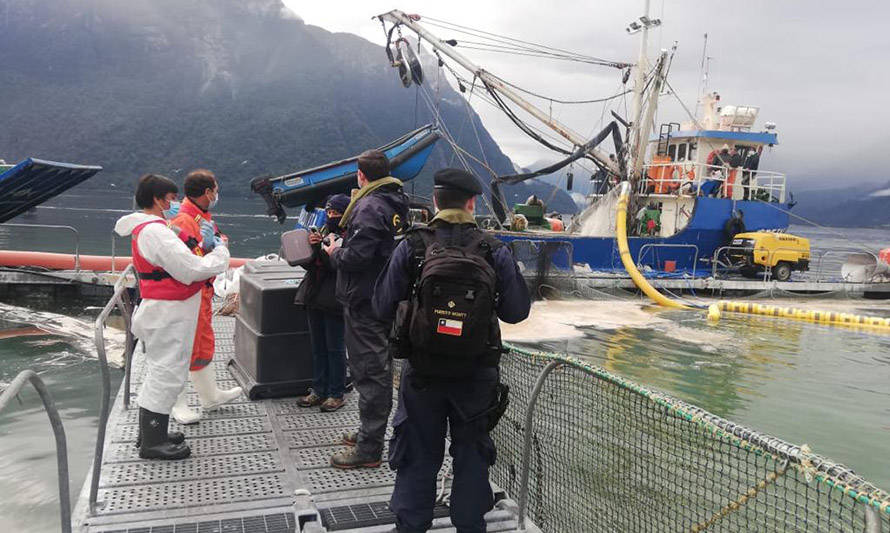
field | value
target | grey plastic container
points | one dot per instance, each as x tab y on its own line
262	266
267	303
295	247
271	365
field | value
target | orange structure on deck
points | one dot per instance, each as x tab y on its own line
55	261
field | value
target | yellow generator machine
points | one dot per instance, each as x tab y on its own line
780	252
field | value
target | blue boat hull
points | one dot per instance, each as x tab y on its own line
34	181
704	234
309	188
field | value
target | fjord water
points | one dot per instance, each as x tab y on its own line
827	387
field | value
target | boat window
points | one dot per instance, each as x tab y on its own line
690	155
672	152
681	152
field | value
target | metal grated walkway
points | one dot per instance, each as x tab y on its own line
252	465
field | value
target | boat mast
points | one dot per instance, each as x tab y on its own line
642	123
640	79
398	17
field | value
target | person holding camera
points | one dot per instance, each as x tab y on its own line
317	293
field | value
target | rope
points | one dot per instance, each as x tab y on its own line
559	101
521	44
456	149
737	504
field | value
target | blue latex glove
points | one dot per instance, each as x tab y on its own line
218	241
208	237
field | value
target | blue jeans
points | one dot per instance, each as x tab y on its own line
326	332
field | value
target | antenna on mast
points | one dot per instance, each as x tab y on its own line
703	77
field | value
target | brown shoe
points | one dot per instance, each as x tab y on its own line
349	459
350	439
332	404
310	400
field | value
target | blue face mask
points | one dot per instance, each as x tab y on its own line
172	211
213	202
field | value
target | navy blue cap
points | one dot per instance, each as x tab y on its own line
337	202
457	179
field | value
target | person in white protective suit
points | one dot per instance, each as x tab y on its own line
170	281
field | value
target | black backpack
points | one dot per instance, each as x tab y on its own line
449	327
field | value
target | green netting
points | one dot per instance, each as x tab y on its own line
609	455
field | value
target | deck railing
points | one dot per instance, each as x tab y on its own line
585	450
819	269
120	299
698	179
50	227
55	420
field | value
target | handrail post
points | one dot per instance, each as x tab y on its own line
872	519
58	433
112	251
127	311
105	398
527	441
76	250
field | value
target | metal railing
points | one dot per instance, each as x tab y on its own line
816	260
688	178
120	300
655	246
53	226
525	467
601	453
29	376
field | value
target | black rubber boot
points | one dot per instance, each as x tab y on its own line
155	441
176	437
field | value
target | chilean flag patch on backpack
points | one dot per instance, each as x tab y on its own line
450	327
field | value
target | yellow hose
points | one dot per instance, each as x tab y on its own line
627	260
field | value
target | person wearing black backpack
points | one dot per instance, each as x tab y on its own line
444	289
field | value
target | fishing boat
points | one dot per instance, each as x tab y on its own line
691	192
34	181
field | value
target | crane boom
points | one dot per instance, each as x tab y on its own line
398	17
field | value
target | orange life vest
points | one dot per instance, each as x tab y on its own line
155	283
188	225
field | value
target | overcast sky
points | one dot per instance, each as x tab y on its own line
819	69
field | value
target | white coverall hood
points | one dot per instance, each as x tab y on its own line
127	223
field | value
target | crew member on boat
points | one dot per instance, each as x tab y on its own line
170	281
195	224
376	213
468	280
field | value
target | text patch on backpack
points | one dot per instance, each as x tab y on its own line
450	327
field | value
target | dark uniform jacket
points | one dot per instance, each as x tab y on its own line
370	237
395	281
318	289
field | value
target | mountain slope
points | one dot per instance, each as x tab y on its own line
240	86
